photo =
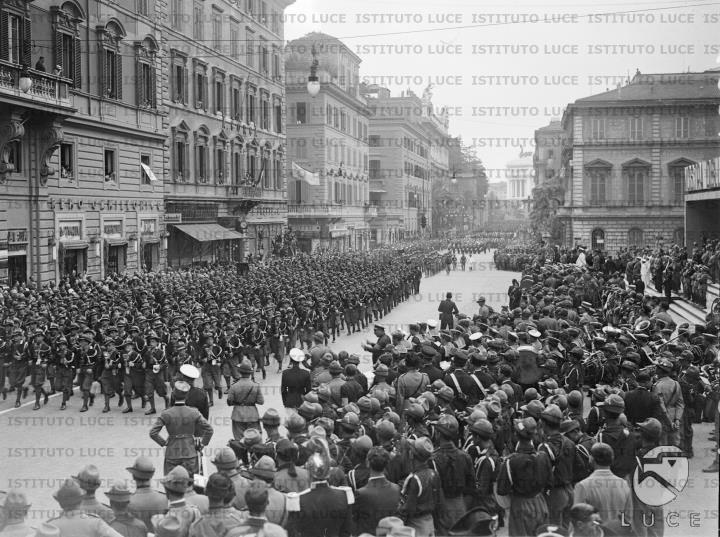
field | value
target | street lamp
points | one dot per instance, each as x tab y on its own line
25	82
313	85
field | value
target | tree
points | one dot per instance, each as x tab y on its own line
546	199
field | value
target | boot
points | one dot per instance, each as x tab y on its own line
121	400
129	406
227	383
46	397
92	399
25	392
264	374
85	402
144	401
210	396
219	390
37	400
17	399
52	386
107	404
152	410
4	394
167	402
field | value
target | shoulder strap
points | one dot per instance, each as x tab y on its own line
549	450
351	478
509	473
457	384
479	385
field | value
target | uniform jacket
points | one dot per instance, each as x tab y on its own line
624	446
80	524
146	502
186	514
243	396
641	404
129	526
376	500
294	384
670	393
217	522
182	423
320	510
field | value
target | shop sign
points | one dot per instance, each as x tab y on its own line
173	218
148	226
113	228
17	236
70	230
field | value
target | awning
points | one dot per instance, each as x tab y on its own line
209	232
149	172
116	242
150	240
74	245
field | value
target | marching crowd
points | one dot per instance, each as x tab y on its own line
465	423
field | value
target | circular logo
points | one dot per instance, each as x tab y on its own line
660	475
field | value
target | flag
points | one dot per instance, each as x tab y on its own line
309	177
261	176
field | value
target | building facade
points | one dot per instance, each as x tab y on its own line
519	174
222	75
549	143
623	166
409	150
327	135
82	140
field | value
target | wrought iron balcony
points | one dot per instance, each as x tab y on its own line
247	192
44	88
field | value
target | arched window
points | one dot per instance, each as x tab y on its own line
111	60
679	236
202	155
635	237
68	53
238	161
635	174
676	171
181	152
145	84
598	239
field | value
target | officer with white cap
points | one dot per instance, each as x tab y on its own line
296	381
196	397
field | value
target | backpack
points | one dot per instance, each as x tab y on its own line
582	464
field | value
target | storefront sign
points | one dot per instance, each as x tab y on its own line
173	218
113	228
70	230
148	226
17	236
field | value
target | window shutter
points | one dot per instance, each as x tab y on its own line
77	64
27	42
139	84
59	51
206	92
118	75
104	70
153	87
185	82
197	163
4	50
186	160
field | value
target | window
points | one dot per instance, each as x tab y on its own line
374	141
343	121
635	237
142	7
12	38
250	7
298	191
238	168
278	116
179	78
249	50
111	61
67	164
181	154
375	169
275	22
251	166
176	14
277	172
67	51
250	104
328	114
301	148
110	173
266	172
636	128
598	239
202	156
263	12
13	159
598	177
264	59
217	31
146	83
198	33
336	119
219	91
144	177
220	170
276	64
635	176
676	171
682	127
200	85
236	99
300	113
234	42
597	129
265	104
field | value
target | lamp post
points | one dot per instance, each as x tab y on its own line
313	84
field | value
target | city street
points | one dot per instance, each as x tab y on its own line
39	449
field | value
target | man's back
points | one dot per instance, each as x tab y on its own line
608	493
146	502
323	510
376	500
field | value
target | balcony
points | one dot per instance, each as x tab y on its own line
46	89
327	210
245	192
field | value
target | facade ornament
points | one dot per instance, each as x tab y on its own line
50	142
10	132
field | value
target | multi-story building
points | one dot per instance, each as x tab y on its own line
82	139
519	174
549	143
623	167
222	74
408	151
327	135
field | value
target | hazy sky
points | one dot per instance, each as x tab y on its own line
514	65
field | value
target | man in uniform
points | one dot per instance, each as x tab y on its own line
670	391
176	483
448	309
196	397
89	480
122	520
295	381
182	424
383	340
221	517
244	396
322	509
524	477
617	436
641	403
561	451
75	522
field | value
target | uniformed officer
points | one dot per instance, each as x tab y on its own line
89	480
641	403
176	483
244	396
524	476
295	382
145	501
73	521
221	517
12	515
322	509
226	463
182	424
123	521
196	397
561	451
619	437
670	391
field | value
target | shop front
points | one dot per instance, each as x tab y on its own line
115	247
194	244
17	247
149	244
72	248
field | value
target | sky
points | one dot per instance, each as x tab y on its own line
506	69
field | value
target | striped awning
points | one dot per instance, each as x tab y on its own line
209	232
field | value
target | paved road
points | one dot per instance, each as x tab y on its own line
39	449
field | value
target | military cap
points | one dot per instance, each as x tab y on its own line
482	428
448	425
552	414
70	494
422	447
119	492
271	418
526	427
306	410
349	421
324	393
446	394
533	408
613	403
251	437
628	365
188	370
381	370
15	500
218	485
169	526
362	444
385	429
364	404
567	426
264	468
245	366
142	468
493	408
387	524
415	410
549	384
665	365
297	355
89	476
335	368
651	427
225	459
530	395
575	399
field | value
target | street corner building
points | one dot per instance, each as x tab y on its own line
138	135
618	159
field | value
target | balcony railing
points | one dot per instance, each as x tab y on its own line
328	210
673	202
252	192
45	87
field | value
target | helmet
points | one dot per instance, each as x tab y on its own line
651	427
447	425
483	428
318	466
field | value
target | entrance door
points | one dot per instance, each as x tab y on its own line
150	257
73	261
17	269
